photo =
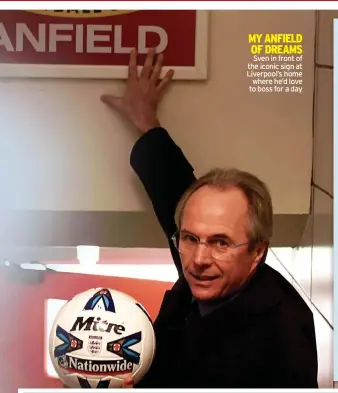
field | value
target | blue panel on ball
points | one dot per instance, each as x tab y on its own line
105	296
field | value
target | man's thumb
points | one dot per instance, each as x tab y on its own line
112	101
128	383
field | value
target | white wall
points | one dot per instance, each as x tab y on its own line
63	150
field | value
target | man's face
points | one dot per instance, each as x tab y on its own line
219	217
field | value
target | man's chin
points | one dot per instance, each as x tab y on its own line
203	294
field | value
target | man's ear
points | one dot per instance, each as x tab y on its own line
260	253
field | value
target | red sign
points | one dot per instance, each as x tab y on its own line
97	38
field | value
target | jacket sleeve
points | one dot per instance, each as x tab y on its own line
165	174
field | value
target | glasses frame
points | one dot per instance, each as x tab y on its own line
206	244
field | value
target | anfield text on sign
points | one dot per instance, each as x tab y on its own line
86	40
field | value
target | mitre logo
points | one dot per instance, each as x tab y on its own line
96	325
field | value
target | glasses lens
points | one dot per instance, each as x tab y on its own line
187	245
184	242
218	254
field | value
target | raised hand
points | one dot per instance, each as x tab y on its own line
143	93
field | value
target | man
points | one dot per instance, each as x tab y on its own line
230	321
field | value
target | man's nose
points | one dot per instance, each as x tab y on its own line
202	255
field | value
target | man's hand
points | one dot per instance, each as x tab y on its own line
128	383
141	98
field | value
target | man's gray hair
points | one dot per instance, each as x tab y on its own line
258	196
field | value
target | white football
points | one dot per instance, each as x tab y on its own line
99	337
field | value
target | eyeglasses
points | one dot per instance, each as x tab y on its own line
187	244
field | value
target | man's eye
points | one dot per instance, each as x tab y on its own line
219	243
189	238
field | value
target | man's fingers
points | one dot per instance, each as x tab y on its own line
112	101
148	64
128	383
157	68
166	79
132	69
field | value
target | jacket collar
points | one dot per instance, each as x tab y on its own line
260	293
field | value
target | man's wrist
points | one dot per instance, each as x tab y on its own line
144	128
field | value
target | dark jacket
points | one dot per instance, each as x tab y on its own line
262	338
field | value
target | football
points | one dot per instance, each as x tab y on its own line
100	337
